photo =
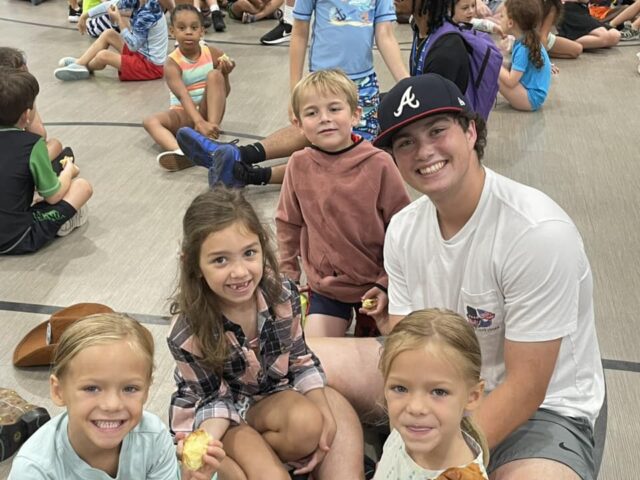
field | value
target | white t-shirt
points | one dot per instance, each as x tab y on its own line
516	270
396	464
147	453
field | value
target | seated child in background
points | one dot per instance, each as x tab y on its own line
14	58
94	25
627	21
526	85
464	11
249	11
337	199
103	367
556	46
433	435
198	77
25	167
141	44
578	25
244	372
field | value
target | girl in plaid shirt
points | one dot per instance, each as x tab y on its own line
243	370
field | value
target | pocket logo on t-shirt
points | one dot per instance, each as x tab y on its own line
479	318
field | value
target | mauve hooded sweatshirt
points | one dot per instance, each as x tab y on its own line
333	212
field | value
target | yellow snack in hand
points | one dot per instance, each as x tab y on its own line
369	303
64	161
194	448
224	58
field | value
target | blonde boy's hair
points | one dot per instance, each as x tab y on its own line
448	329
100	329
325	81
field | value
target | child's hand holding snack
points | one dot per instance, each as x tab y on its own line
201	455
225	64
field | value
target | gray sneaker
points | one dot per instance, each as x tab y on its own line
79	219
72	72
66	61
628	33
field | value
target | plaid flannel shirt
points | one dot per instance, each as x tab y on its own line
284	362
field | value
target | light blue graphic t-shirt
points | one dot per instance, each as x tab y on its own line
343	32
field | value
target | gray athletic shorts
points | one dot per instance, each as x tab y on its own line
552	436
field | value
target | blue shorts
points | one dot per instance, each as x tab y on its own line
536	99
368	100
365	325
328	306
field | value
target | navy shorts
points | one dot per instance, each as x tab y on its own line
365	325
46	220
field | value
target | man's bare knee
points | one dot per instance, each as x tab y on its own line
534	469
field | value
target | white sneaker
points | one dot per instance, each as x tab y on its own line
66	61
79	219
174	160
72	71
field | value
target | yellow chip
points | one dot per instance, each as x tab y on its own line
194	448
369	303
64	161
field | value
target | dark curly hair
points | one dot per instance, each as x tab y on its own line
185	7
436	11
527	15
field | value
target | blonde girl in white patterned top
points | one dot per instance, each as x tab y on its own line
431	368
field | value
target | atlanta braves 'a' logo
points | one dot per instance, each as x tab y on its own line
408	99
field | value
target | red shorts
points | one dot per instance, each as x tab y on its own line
135	66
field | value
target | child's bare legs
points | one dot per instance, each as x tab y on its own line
252	456
321	325
628	13
284	426
289	422
564	48
599	38
215	96
516	96
98	56
79	193
163	127
54	148
344	458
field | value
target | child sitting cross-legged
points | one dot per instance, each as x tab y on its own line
244	372
198	77
26	226
337	199
526	84
140	45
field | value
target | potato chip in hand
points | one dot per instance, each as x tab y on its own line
194	448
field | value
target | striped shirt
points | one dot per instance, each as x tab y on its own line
284	361
194	73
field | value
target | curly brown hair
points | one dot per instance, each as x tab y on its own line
527	15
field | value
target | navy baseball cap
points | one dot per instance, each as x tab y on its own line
414	98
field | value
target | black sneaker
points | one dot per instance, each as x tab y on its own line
74	15
218	21
206	19
280	34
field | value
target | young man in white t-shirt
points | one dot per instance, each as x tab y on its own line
509	259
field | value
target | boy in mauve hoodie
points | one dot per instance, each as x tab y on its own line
337	199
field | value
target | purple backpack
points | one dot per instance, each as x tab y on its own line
485	61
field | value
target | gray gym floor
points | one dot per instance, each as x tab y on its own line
581	149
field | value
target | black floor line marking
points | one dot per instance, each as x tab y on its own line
619	365
139	125
49	309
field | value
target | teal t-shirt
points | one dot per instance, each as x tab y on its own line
147	453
